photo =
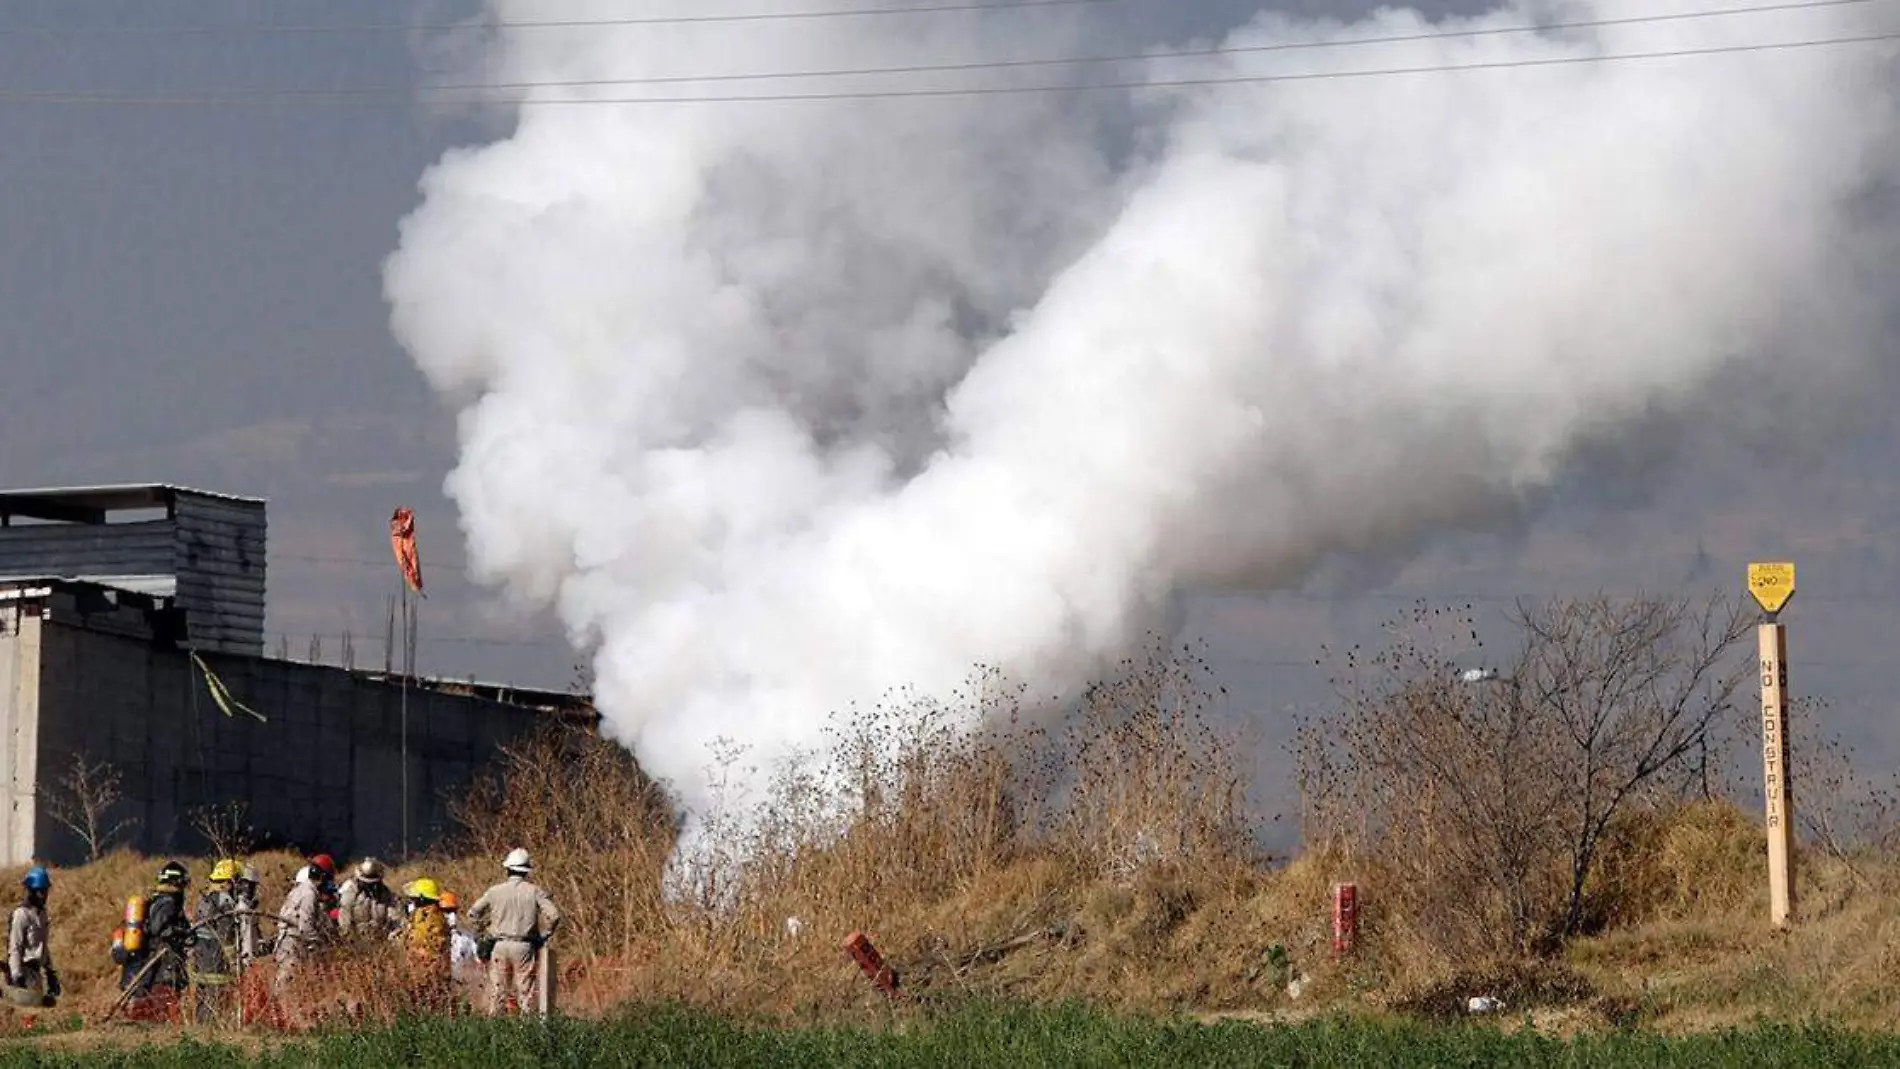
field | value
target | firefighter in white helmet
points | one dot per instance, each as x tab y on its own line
366	909
303	928
514	919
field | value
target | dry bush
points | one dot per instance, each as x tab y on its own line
1848	813
226	826
1705	858
84	800
1153	781
599	828
907	812
1483	804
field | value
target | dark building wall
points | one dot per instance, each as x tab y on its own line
324	772
148	547
213	548
220	557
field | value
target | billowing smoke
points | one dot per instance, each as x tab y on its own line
784	404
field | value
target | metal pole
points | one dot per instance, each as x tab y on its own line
405	720
1777	792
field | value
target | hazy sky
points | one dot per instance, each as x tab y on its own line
193	295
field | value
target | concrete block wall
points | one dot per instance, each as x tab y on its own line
19	725
325	771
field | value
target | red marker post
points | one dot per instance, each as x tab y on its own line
858	945
1345	918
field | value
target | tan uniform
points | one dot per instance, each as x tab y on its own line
27	953
518	916
303	926
367	911
247	929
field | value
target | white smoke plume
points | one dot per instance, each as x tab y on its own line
785	404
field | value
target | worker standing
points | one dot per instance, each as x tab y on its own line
366	908
426	937
303	928
215	952
29	955
465	966
244	891
168	929
517	919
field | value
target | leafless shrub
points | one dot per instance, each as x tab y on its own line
1490	796
83	800
1153	781
1843	811
226	826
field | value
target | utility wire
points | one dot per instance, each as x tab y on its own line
547	24
420	94
1071	61
1139	57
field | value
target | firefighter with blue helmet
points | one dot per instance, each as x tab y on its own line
31	978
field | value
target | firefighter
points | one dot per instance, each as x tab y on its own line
465	966
515	920
160	962
29	953
326	885
303	928
215	953
425	936
366	908
244	891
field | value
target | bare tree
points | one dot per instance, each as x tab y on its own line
1635	687
1496	789
83	800
226	826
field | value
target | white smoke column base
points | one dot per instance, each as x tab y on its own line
785	405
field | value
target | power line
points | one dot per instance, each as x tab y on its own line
405	97
546	24
1127	57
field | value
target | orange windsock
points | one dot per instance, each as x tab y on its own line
402	537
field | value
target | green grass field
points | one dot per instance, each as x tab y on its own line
985	1036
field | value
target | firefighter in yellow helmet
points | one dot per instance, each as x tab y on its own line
426	937
214	952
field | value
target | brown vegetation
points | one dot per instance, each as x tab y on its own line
1560	839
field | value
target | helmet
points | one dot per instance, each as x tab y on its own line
173	875
36	879
369	870
425	889
224	871
517	861
248	874
324	862
448	900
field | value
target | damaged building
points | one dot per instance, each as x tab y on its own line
128	612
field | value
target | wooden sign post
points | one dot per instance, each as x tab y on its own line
1772	585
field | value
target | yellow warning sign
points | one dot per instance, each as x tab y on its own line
1771	584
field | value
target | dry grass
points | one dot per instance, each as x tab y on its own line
1104	856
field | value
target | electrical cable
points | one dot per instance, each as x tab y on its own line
548	24
419	95
1135	57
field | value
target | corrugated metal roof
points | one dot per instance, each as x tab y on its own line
138	495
